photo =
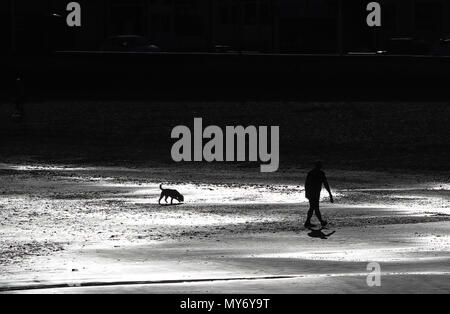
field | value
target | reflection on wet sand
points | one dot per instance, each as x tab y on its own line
54	219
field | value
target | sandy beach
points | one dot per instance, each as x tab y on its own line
91	229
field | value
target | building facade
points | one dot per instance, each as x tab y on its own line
266	26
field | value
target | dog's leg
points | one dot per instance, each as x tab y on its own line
159	202
166	198
171	202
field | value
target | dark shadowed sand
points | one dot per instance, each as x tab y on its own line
74	229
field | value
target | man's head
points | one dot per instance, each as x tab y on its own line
318	164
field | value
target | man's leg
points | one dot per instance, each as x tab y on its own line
319	215
312	208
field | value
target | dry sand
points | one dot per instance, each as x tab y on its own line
101	229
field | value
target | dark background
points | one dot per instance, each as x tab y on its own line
347	135
355	96
264	26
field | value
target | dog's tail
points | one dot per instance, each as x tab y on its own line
161	187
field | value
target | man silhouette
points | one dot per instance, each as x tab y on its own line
313	187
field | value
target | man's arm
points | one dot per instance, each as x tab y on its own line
327	187
307	185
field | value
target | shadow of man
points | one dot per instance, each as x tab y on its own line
319	234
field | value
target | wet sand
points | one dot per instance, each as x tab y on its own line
101	229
